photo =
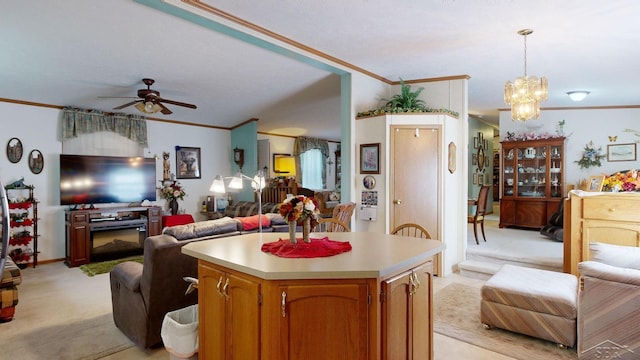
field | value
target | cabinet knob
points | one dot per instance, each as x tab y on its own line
612	210
397	202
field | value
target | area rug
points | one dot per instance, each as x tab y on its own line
77	339
457	315
106	266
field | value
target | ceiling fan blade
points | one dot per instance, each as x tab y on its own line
164	110
127	104
177	103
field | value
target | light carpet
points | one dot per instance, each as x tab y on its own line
62	314
457	315
86	339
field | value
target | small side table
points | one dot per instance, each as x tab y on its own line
174	220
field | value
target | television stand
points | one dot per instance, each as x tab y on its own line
107	233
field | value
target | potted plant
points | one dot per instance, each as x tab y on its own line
405	102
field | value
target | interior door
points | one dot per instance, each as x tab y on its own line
415	170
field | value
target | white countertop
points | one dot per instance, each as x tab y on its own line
373	255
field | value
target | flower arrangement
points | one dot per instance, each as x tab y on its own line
591	156
622	181
299	208
172	191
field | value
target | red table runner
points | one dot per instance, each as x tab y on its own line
316	248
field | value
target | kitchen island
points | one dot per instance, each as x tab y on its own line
373	302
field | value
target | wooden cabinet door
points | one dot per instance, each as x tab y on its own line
422	313
396	314
154	226
333	319
242	318
211	313
407	324
229	315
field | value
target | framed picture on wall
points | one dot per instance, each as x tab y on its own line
187	162
621	152
370	158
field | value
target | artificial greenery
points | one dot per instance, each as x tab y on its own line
405	102
591	156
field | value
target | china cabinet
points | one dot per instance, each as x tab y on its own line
23	232
532	181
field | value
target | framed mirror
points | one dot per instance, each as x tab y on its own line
36	161
480	158
14	150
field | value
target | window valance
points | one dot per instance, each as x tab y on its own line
303	143
79	121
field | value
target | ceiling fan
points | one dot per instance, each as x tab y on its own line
150	102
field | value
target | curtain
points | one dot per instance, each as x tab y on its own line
312	162
302	144
76	122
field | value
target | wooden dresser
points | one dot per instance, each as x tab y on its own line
612	218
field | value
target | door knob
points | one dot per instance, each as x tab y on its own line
397	202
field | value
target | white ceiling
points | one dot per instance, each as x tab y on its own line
75	52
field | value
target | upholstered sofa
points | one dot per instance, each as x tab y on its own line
141	294
11	277
609	303
243	209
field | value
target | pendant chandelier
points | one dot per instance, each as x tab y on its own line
527	92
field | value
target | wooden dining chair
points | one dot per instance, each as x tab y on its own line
331	225
478	218
411	230
344	211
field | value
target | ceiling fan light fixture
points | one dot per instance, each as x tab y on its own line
527	92
148	107
578	95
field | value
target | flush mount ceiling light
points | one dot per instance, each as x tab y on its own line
578	95
527	92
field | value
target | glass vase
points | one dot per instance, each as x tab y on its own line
306	229
292	232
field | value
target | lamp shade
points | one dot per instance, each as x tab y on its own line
285	165
236	182
218	185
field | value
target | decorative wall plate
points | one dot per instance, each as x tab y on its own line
14	150
369	182
36	161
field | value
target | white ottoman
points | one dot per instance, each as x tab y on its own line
533	302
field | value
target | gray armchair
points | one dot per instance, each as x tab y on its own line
609	303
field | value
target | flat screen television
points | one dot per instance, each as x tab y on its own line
87	179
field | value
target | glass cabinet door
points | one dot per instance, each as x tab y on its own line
555	171
508	176
531	171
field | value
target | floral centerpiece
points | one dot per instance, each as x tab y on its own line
300	210
622	181
172	192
